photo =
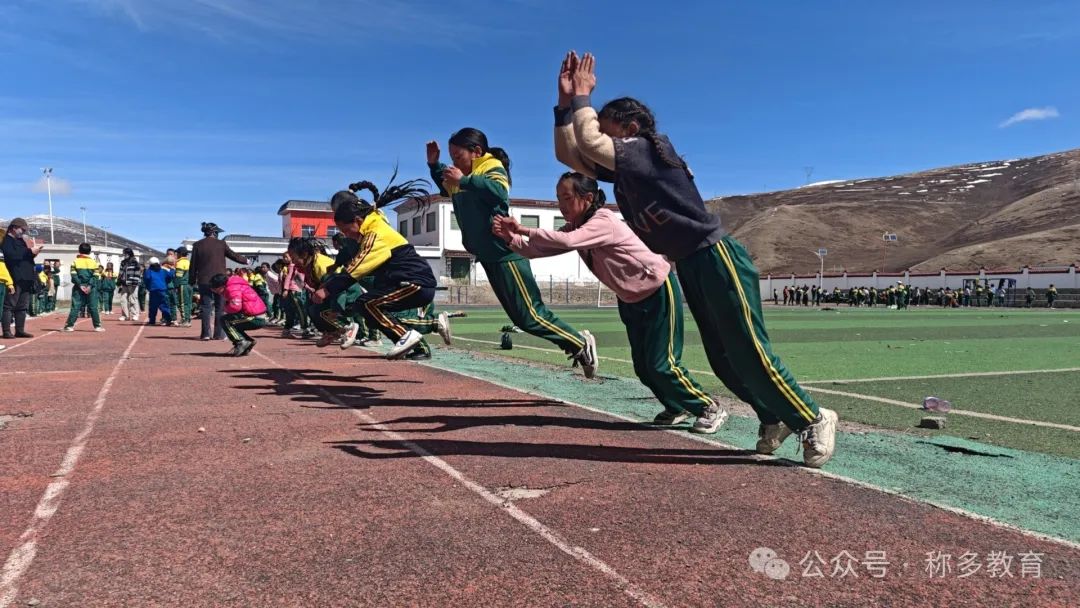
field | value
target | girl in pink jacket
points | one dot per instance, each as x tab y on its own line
650	302
244	310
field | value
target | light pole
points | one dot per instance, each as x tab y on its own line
105	229
83	223
888	237
821	253
48	187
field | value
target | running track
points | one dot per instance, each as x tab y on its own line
331	479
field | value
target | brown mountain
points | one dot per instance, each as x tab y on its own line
1002	214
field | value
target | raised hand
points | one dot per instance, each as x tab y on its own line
584	76
566	82
432	152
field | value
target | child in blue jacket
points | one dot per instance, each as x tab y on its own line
157	279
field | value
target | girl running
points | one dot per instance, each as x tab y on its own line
478	183
656	193
650	302
403	280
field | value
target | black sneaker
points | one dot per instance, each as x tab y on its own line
23	334
418	355
248	345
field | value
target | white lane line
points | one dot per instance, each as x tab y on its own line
511	509
914	406
811	387
35	373
749	454
957	375
23	555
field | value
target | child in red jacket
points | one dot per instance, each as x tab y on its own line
244	310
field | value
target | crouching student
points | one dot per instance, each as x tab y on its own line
244	311
650	301
403	279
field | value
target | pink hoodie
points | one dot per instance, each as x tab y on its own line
240	297
609	248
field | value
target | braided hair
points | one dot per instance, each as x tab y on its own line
349	208
626	110
474	138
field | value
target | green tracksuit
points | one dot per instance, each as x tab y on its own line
84	274
482	195
721	287
183	290
655	329
108	288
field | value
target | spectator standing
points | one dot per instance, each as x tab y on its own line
129	282
19	251
207	261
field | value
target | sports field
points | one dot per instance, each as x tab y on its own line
874	366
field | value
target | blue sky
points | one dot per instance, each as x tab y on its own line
160	114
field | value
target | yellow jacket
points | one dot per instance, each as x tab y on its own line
5	276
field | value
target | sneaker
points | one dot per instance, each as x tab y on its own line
327	338
205	338
99	329
246	347
442	325
69	328
23	334
770	436
670	418
186	324
819	439
586	357
710	420
308	333
122	318
418	355
2	347
349	335
235	352
286	333
405	344
371	342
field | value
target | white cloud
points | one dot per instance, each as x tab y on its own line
1031	114
60	186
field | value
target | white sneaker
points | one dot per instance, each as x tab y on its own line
69	328
2	347
370	342
122	318
349	336
770	436
405	344
99	329
819	439
587	355
710	420
442	325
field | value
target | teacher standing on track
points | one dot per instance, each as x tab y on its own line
208	260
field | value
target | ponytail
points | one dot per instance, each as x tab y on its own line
348	207
474	138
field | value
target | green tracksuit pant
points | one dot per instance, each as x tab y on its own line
720	283
183	303
238	324
79	300
514	285
655	329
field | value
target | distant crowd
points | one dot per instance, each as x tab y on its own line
903	296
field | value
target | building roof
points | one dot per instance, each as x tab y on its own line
297	205
244	239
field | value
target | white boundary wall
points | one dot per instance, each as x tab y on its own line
1037	278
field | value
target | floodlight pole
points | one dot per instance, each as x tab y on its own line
48	187
105	229
83	223
821	272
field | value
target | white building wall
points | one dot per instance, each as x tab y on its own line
567	266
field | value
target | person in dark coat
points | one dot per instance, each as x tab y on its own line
208	260
19	251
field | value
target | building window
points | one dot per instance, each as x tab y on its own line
416	224
403	228
430	222
453	221
331	231
530	221
559	223
307	230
